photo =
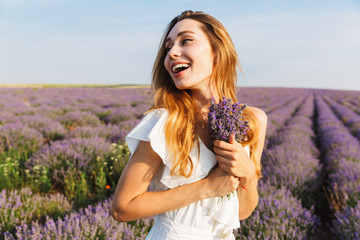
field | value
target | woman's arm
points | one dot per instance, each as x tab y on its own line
132	201
234	160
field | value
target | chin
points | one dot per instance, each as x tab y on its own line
182	86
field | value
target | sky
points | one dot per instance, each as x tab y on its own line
307	44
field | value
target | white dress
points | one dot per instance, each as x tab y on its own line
211	218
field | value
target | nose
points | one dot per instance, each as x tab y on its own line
174	52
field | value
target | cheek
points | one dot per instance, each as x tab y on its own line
209	64
166	63
212	62
208	58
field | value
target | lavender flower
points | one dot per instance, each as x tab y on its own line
292	160
20	138
278	215
120	114
92	222
348	117
110	132
76	152
79	118
226	118
49	128
22	207
6	117
278	116
346	224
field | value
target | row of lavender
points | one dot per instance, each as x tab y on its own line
92	222
349	118
349	99
340	146
275	202
292	162
64	141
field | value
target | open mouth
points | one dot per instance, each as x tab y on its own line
180	67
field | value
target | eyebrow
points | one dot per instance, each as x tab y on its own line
180	34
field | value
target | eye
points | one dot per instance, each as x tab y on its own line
186	41
168	47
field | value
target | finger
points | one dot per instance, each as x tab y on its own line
224	161
224	153
224	145
232	139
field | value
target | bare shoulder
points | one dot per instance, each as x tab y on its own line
260	115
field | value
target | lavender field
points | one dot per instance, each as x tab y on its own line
62	151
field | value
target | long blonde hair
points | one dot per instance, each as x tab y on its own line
179	129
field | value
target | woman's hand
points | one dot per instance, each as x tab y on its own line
234	160
220	183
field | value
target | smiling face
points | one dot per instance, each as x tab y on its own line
189	60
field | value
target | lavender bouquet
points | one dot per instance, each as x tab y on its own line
226	118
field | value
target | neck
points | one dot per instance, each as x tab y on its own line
202	98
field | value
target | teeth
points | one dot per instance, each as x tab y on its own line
180	65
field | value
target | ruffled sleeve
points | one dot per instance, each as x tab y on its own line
146	130
151	129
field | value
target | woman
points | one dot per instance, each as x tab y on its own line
172	146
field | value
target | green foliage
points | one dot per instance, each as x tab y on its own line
100	183
39	179
79	186
102	115
134	104
84	187
76	187
116	163
11	176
